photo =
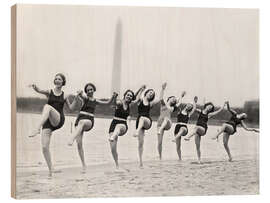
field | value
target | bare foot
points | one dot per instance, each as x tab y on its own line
186	139
111	139
141	166
173	140
83	171
50	175
35	133
230	159
70	143
135	135
56	171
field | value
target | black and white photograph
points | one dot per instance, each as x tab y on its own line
122	101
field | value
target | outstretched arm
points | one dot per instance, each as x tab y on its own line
45	92
229	109
195	100
248	129
216	112
180	100
161	95
99	101
138	94
72	105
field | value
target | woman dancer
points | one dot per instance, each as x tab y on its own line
201	126
164	121
181	125
119	125
229	128
144	122
85	118
52	117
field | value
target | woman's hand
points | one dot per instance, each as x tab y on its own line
164	85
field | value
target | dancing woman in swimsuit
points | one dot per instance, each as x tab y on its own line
201	126
85	119
52	116
119	125
164	122
144	121
230	127
181	128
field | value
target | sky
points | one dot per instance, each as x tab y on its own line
211	53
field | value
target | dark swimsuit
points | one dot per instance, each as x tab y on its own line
183	119
89	106
202	121
234	121
145	112
57	102
122	113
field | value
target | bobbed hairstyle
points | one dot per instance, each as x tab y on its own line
209	104
63	78
170	98
89	84
153	97
133	95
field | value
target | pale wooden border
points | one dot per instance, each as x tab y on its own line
13	99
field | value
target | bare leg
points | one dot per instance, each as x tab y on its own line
114	151
198	145
220	131
140	146
178	147
119	130
143	123
191	135
82	125
48	113
182	132
226	138
159	146
45	141
79	140
163	125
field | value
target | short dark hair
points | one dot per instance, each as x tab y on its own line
127	91
63	78
170	98
90	84
153	94
211	104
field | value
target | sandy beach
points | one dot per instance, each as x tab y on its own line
158	178
169	177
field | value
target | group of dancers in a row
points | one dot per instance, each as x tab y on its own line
52	118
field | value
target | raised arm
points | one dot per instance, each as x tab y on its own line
161	95
38	90
248	129
195	100
99	101
180	100
72	105
217	111
229	109
138	94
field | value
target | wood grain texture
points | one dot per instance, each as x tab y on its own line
13	100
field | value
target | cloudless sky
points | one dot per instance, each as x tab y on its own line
211	53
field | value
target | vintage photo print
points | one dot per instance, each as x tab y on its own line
115	101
